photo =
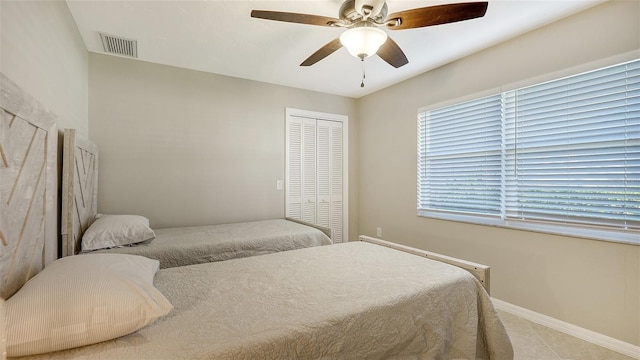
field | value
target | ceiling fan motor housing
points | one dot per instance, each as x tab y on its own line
350	15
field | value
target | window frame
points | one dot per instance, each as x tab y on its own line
574	230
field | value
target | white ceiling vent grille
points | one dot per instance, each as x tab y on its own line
119	45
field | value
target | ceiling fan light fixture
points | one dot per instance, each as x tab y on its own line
363	41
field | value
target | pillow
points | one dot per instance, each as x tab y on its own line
82	300
116	230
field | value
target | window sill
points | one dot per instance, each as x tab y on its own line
631	238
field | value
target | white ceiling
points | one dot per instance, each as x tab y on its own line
220	37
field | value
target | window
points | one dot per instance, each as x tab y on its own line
561	156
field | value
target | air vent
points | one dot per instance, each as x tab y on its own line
119	45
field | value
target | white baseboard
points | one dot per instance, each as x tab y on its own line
593	337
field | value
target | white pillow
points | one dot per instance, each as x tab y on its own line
116	230
81	300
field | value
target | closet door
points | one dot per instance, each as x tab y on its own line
315	171
337	178
301	169
329	178
309	175
293	208
324	174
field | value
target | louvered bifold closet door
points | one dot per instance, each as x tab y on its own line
324	173
294	168
301	163
330	176
315	172
309	176
336	181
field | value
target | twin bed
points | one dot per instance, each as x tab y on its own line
356	300
171	246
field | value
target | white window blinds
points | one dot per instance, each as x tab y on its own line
562	152
459	157
573	149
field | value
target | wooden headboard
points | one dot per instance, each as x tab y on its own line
28	187
79	189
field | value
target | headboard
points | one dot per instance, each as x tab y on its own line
79	189
28	187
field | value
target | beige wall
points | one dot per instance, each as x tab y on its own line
592	284
188	148
42	51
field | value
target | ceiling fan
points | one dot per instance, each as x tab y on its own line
362	19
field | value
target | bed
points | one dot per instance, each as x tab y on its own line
182	246
356	300
171	246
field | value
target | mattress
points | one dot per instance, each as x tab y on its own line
182	246
347	301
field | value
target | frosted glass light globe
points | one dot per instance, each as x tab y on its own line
363	41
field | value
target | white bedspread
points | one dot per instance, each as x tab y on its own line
346	301
182	246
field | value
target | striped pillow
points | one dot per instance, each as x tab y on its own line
81	300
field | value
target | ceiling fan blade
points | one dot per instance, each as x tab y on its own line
323	52
392	54
436	15
295	18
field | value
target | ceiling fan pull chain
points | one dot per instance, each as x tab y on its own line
364	75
